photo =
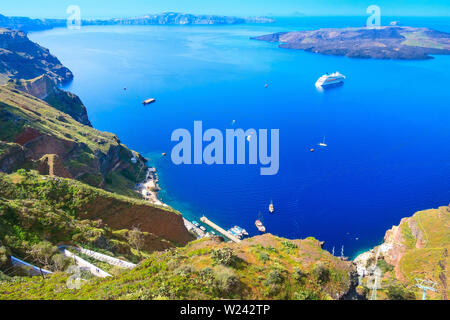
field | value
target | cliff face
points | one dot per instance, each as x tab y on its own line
21	58
415	249
44	88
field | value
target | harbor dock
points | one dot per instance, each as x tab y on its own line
198	232
219	229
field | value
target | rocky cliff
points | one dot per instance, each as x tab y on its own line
21	58
415	249
44	88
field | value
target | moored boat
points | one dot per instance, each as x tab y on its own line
271	207
260	226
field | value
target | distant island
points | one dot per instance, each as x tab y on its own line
167	18
391	42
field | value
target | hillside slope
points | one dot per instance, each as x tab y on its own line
45	89
418	248
34	208
263	267
94	157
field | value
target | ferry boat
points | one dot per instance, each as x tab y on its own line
271	207
330	79
148	101
260	226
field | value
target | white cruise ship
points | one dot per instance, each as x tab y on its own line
329	79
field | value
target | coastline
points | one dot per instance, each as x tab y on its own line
149	189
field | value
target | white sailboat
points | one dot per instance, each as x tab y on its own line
323	144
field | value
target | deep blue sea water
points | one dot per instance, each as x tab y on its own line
387	128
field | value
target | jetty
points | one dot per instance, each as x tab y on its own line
219	229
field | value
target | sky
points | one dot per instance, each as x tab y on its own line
129	8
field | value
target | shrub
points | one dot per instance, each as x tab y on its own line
226	281
321	273
275	277
43	252
299	275
4	257
398	292
264	257
384	266
306	294
223	256
289	245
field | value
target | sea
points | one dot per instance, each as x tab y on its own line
387	128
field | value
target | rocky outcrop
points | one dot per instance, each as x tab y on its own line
379	43
44	88
21	58
12	156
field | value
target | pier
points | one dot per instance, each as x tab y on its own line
219	229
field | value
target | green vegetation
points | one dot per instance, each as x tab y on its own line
205	269
83	150
39	212
421	39
398	292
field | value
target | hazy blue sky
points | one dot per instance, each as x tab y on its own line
125	8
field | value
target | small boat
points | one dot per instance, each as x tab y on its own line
164	154
266	85
311	150
234	233
213	233
241	230
202	228
323	144
271	207
195	223
148	101
260	226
